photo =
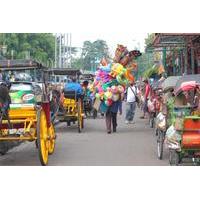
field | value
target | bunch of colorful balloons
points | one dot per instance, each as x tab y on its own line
111	79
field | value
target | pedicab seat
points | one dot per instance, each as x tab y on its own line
72	94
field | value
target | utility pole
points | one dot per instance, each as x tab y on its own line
60	50
70	50
55	59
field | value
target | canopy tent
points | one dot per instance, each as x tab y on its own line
187	82
170	83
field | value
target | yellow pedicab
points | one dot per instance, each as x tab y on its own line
29	113
71	108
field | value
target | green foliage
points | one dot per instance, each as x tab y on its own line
149	40
150	71
93	52
39	46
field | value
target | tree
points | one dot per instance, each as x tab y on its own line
149	40
39	46
93	52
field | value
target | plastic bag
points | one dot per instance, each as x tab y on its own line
150	106
161	121
172	134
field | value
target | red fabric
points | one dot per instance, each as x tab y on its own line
147	90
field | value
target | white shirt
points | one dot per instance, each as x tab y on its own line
130	94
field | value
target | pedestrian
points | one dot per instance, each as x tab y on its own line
146	97
131	95
111	115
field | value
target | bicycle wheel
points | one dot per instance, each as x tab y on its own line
160	143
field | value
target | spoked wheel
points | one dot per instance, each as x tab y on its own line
52	138
42	137
3	147
151	120
94	113
80	117
174	157
156	132
160	143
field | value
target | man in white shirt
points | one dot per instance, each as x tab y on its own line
130	102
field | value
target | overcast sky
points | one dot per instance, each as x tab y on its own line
131	40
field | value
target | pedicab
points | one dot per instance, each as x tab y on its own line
28	113
184	136
71	105
163	119
87	80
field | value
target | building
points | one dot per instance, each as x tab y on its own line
180	52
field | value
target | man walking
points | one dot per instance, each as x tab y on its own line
130	102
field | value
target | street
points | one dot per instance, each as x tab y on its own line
132	145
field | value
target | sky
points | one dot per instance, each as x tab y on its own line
131	40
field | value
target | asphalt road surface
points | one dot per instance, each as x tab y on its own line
132	145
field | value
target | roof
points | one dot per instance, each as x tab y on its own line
187	78
170	83
65	71
173	39
10	65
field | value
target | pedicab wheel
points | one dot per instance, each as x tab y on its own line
151	121
174	157
3	148
52	139
42	137
156	132
80	117
160	144
94	113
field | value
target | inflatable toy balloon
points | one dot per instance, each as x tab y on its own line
122	80
116	69
107	95
115	97
106	68
129	75
103	62
114	89
121	89
97	95
109	89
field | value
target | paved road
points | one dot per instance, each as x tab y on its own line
133	144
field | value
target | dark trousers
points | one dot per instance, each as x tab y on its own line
111	119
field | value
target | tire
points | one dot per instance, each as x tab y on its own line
79	117
42	141
156	132
52	135
152	122
94	114
3	148
160	144
174	157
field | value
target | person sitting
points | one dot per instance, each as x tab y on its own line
5	101
73	86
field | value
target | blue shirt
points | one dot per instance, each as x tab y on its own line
73	86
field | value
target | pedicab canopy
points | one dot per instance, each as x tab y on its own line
169	83
8	65
65	71
187	82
